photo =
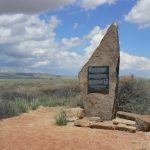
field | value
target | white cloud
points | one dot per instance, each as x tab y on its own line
29	44
32	6
28	38
69	60
134	63
92	4
140	14
94	38
71	42
7	20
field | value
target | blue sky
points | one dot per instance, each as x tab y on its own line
58	37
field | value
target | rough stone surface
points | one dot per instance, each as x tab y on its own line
82	123
147	134
108	125
142	125
127	128
142	121
124	121
95	119
106	54
127	115
73	114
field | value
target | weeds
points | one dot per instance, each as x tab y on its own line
134	95
34	104
12	108
61	119
20	96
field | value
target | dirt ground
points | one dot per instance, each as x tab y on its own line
37	131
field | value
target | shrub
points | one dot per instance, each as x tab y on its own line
22	105
18	96
12	108
134	95
61	119
8	109
34	104
61	91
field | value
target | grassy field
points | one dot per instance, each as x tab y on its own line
21	95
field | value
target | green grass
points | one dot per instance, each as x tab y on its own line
61	119
134	95
34	104
21	95
13	108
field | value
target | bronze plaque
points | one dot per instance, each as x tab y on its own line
98	79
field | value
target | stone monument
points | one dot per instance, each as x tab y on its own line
99	77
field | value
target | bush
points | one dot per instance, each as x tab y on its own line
22	105
19	96
7	109
61	91
12	108
134	95
34	104
61	119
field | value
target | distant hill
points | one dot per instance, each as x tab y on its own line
9	75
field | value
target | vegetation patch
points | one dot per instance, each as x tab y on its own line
61	119
134	95
18	96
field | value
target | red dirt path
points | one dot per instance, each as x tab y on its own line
37	131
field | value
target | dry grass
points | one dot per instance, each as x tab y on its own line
134	95
19	96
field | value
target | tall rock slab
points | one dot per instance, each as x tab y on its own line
99	77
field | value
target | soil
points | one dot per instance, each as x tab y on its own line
36	130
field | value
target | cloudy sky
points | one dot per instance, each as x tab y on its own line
58	36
